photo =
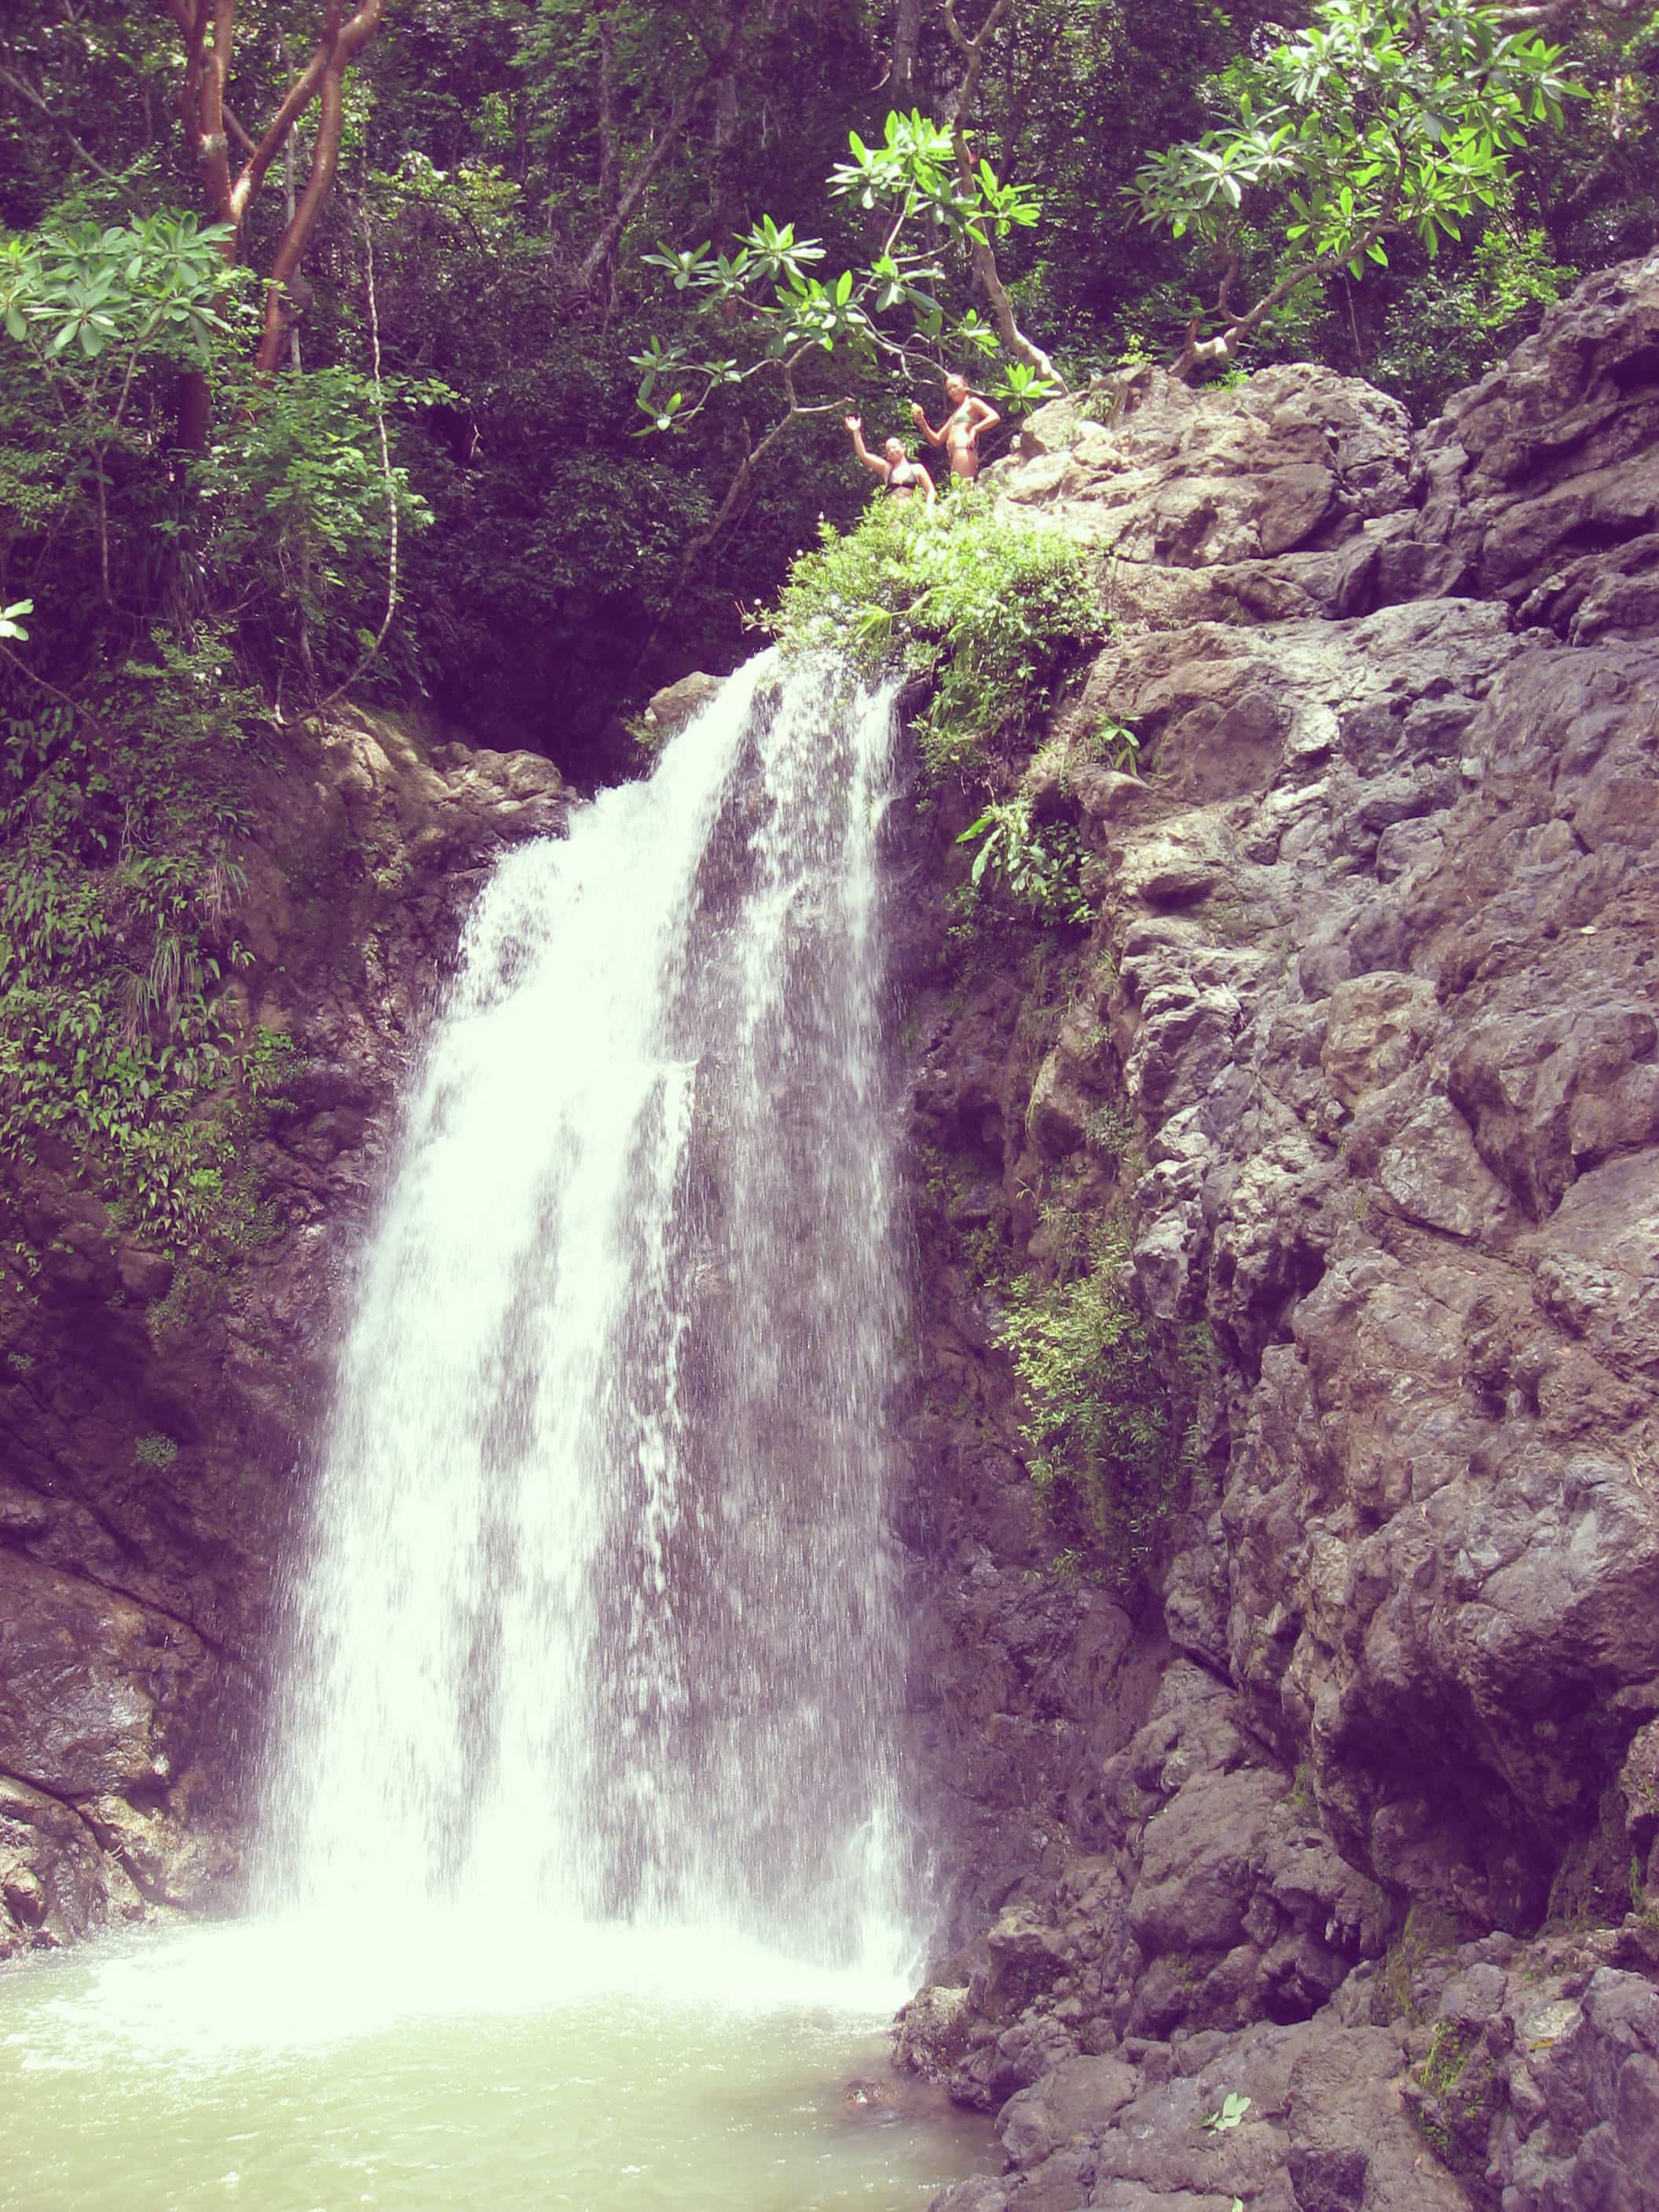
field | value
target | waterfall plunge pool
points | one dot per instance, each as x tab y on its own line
274	2066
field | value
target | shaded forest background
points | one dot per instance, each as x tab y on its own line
507	165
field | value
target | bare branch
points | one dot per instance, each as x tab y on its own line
26	91
237	132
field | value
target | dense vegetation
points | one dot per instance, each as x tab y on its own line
497	355
534	201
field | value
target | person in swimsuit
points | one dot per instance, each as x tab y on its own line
902	477
959	433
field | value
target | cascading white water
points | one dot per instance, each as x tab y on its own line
580	1866
600	1618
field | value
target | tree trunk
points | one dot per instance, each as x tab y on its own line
209	30
902	63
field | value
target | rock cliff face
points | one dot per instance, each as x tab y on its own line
153	1420
1352	1811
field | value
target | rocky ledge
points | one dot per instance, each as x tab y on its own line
1322	1873
156	1415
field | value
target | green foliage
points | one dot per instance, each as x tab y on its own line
154	1450
1114	744
1446	2061
1383	115
1458	318
765	287
1382	118
155	287
991	606
1231	2112
1098	1424
1036	867
292	519
124	1045
1110	1131
276	535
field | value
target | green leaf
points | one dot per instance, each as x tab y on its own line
1232	2110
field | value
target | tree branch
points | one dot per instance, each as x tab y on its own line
324	159
26	91
979	244
340	44
212	145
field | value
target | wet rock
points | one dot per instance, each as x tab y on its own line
669	709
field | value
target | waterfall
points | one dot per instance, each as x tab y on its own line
600	1618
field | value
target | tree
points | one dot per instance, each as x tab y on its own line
1384	117
973	50
209	30
920	194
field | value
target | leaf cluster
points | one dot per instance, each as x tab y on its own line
1383	116
155	287
988	606
765	288
1037	867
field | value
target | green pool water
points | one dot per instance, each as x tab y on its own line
286	2068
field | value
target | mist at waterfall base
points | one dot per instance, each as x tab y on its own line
582	1880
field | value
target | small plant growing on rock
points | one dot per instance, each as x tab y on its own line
1232	2110
1110	1132
1100	1430
154	1450
1116	744
1037	868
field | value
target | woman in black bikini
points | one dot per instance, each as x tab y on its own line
901	478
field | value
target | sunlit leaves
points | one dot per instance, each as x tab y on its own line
156	286
767	284
1383	116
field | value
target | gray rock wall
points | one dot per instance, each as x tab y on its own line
1352	1810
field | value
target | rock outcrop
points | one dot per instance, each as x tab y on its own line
1349	1810
154	1416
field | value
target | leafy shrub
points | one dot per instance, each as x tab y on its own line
989	606
293	519
1454	324
154	1451
1037	867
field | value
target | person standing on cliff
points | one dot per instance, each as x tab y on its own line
959	434
901	477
